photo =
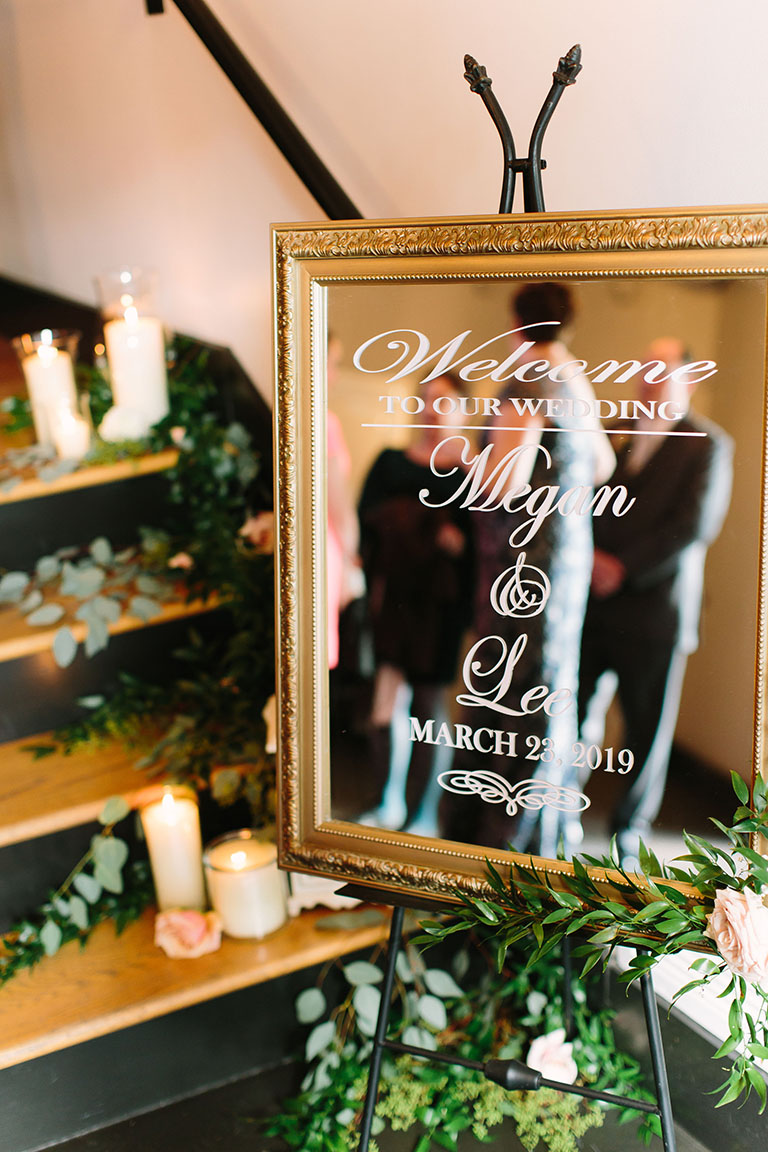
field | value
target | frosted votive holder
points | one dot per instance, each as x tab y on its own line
245	887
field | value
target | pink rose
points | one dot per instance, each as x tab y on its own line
260	531
738	924
181	560
553	1057
185	934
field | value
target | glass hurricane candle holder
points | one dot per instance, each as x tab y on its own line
245	887
171	823
47	360
135	345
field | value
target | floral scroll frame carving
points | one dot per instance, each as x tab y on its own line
692	243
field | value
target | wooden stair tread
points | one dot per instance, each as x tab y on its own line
38	797
88	476
19	639
118	981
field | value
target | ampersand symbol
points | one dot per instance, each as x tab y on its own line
520	591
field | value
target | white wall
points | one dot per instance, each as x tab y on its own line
121	141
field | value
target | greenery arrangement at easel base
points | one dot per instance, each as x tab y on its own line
711	899
503	1016
205	727
101	886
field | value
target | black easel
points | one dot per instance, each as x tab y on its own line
510	1074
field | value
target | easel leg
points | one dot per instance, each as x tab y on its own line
659	1063
374	1072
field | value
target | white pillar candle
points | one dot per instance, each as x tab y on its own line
245	887
172	830
50	378
71	433
136	356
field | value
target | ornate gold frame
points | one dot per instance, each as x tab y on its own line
721	242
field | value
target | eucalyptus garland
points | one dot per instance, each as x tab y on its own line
711	900
101	886
506	1014
205	727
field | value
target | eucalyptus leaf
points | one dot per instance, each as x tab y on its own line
310	1005
403	968
45	615
32	601
87	886
144	607
50	937
366	1002
108	607
64	647
109	878
432	1012
78	912
115	809
361	972
91	702
13	585
441	983
238	436
82	582
319	1039
97	636
150	585
101	550
47	568
110	852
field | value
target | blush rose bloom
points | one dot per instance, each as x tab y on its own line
260	531
553	1057
738	924
186	934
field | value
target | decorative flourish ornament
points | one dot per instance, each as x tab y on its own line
530	795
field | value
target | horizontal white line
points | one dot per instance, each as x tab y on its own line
515	428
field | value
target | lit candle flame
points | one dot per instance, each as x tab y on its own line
238	860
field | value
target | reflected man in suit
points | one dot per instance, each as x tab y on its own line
645	600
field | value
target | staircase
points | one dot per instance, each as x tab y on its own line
91	1036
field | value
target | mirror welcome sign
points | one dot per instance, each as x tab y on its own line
520	474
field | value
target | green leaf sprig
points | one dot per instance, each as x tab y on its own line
661	910
99	887
500	1016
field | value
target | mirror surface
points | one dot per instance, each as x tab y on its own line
542	580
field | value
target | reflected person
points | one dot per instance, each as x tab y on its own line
418	565
561	451
644	606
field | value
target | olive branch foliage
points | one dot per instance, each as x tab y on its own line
654	914
499	1015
